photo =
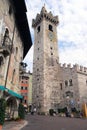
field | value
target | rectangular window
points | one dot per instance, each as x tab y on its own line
21	88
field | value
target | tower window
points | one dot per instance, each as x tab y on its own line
66	83
51	28
37	69
70	82
38	29
61	86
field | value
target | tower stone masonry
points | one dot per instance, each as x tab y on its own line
53	85
46	59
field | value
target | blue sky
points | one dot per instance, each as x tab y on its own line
72	29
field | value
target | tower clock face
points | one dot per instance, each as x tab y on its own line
50	35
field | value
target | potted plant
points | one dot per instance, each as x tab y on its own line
2	112
21	111
51	112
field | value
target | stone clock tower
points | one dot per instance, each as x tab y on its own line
46	60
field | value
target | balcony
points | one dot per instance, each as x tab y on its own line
5	50
5	46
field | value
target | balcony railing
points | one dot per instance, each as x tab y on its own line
5	46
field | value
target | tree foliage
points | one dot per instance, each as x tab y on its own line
2	110
21	111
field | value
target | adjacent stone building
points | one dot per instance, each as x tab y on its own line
15	41
73	86
54	85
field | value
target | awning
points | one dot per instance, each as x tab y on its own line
14	93
2	88
11	92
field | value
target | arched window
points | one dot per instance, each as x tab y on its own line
1	60
10	10
13	76
70	94
6	36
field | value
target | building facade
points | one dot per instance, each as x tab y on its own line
24	83
53	85
25	86
13	42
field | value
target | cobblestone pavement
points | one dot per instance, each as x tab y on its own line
14	125
38	122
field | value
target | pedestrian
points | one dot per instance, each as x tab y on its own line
32	110
35	109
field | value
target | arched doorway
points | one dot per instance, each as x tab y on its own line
11	106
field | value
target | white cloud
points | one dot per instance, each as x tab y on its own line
72	29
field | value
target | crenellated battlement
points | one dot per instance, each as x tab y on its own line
65	66
44	14
75	67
